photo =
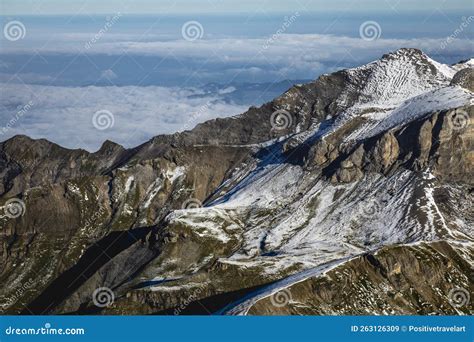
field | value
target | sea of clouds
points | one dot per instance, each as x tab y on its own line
64	114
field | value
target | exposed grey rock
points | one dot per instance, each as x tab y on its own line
386	282
464	78
275	202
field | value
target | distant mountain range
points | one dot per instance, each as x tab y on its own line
350	194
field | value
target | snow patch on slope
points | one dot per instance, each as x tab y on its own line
398	76
415	108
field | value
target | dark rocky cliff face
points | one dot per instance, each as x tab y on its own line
362	160
431	142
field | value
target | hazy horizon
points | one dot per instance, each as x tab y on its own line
13	7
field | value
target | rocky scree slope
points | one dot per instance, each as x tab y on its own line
338	186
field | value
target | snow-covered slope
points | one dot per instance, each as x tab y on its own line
414	108
376	156
395	78
291	218
469	63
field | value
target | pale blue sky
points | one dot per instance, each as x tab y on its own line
48	7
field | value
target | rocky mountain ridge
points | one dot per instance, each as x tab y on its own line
286	197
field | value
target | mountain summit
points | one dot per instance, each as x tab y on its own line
351	194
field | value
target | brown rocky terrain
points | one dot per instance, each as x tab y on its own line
369	170
384	283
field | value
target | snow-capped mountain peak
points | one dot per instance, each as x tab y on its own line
373	175
396	77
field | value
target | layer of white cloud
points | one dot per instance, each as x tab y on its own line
229	49
284	44
281	56
65	115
